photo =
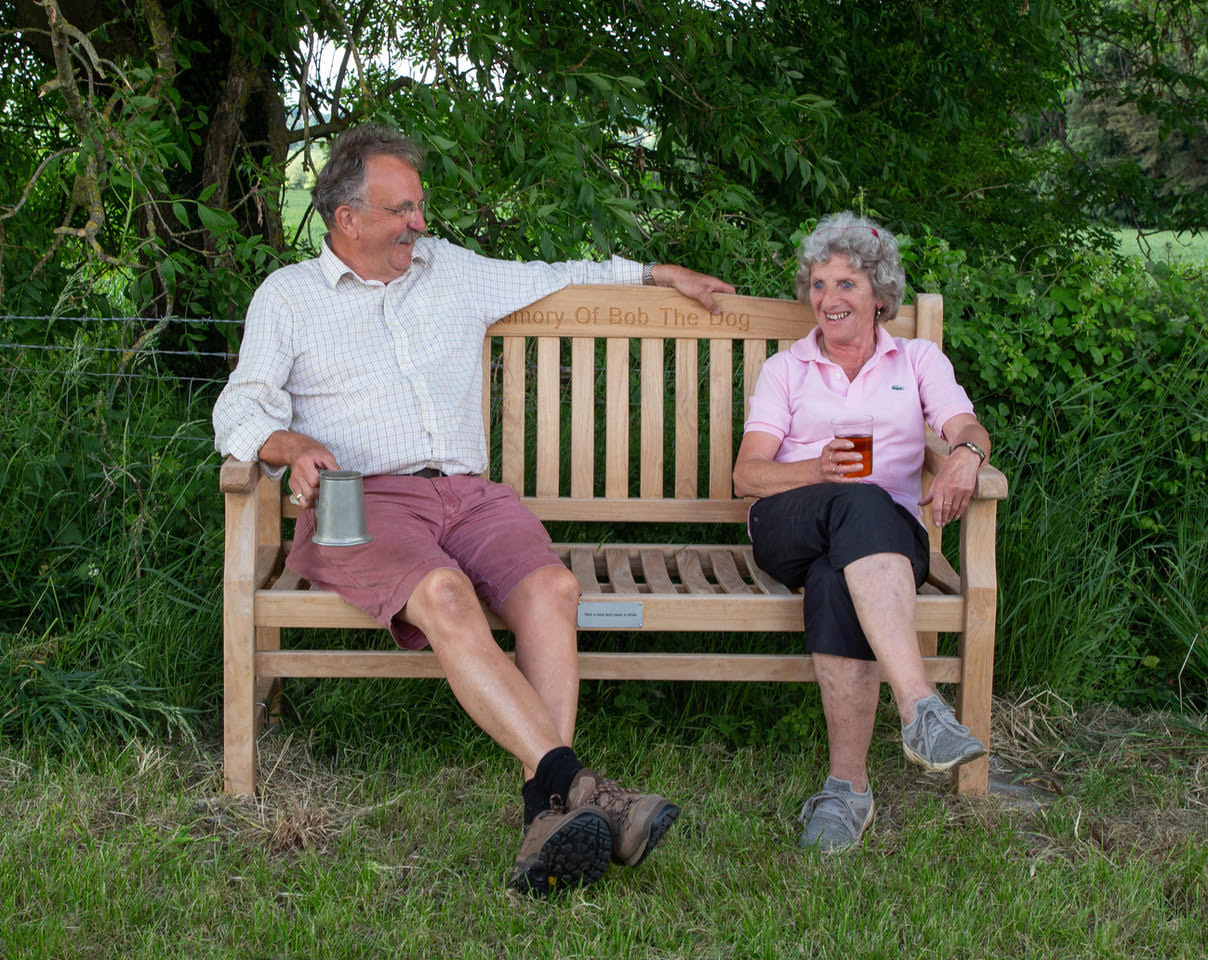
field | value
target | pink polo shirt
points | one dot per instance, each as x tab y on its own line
905	384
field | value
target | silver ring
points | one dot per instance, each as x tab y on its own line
293	498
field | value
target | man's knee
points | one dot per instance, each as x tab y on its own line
444	595
552	586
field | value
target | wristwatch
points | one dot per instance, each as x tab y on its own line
648	274
972	446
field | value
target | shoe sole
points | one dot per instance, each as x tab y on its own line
932	767
575	855
659	825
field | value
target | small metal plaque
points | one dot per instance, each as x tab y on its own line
597	615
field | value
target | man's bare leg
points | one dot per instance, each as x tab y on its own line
486	683
542	614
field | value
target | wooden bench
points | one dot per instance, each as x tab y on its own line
614	405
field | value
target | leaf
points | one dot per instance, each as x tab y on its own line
217	222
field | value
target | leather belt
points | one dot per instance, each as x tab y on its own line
428	473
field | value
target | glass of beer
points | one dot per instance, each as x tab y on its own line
858	429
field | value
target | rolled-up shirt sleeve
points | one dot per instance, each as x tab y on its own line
254	403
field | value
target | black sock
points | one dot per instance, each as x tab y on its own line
552	778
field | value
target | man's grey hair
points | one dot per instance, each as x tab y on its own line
867	245
343	176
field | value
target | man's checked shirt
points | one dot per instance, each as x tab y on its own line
387	376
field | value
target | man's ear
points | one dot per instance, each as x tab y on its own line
346	221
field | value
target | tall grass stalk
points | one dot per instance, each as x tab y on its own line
110	612
1098	562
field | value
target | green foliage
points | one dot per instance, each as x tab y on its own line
1090	373
1136	121
110	600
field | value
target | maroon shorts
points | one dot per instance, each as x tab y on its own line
419	525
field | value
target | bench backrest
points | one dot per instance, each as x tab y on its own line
639	386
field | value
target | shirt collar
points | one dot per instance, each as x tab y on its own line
334	269
806	349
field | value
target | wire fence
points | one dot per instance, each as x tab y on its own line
124	356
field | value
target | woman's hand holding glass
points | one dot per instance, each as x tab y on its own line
839	458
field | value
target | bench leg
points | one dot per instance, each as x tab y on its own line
974	695
239	703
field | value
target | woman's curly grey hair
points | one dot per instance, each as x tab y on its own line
343	176
868	246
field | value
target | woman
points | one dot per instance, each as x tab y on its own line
858	546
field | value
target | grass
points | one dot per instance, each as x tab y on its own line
297	204
403	846
1164	245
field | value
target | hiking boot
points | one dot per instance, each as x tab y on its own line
836	817
936	740
638	820
561	850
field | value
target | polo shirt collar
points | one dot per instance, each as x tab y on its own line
806	349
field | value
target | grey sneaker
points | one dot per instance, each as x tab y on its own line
936	740
836	817
561	850
638	820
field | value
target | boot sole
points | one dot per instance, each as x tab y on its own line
575	855
659	825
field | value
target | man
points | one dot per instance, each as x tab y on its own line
368	358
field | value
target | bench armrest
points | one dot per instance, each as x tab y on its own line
991	482
238	476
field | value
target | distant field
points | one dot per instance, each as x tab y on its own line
296	202
1165	245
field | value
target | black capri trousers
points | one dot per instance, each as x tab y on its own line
806	536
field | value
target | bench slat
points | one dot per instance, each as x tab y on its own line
512	451
726	571
287	581
582	417
691	573
942	576
654	570
583	566
616	402
754	355
765	582
682	611
549	415
654	389
620	575
776	668
721	416
687	413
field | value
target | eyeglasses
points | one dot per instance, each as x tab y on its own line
406	210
